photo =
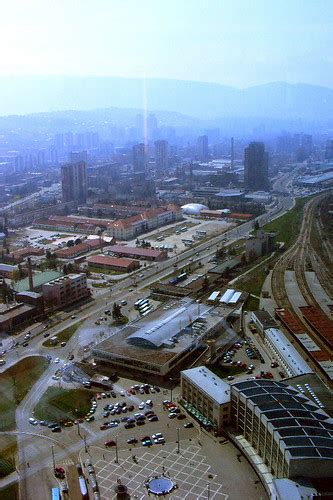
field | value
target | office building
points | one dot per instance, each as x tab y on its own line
161	156
206	397
202	148
139	158
74	182
256	167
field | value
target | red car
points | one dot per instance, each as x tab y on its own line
110	443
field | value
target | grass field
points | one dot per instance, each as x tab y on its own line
288	225
61	404
64	335
15	383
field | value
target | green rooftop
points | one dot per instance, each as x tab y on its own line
38	278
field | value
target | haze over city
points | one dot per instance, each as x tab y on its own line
166	250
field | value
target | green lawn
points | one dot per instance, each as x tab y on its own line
60	404
15	383
10	493
288	225
64	335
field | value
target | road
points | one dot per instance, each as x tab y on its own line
120	291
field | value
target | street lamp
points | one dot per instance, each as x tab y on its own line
171	380
178	441
117	458
208	491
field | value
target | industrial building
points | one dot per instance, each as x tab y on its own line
137	252
104	262
206	397
291	433
159	343
285	353
262	319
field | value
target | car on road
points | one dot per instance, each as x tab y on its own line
123	302
57	360
55	377
25	344
188	425
73	316
33	421
132	441
46	334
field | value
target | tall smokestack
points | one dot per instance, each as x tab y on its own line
232	154
31	282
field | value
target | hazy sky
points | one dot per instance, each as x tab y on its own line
233	42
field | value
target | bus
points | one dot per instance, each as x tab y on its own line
83	488
145	310
56	494
140	303
187	241
201	233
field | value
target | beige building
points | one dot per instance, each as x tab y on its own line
65	290
206	397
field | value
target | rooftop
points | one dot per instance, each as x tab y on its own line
287	351
110	261
39	279
140	252
303	427
209	383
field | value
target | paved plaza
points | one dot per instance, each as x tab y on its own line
188	469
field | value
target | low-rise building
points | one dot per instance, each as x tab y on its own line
15	315
80	249
20	254
262	320
261	244
206	397
104	262
138	252
65	290
7	270
285	353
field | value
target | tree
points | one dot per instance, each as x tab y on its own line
70	243
78	241
243	260
137	242
116	311
256	225
205	283
16	275
64	269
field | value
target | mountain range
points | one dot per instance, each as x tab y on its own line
278	100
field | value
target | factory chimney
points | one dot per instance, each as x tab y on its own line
31	282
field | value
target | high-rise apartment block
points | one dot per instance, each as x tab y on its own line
139	158
202	148
74	182
256	167
161	156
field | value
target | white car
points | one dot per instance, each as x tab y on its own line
55	377
141	406
33	421
157	435
57	360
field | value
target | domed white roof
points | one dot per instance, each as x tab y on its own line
193	208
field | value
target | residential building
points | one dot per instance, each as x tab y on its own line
15	315
139	158
131	227
161	156
74	182
65	290
202	148
256	167
206	397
